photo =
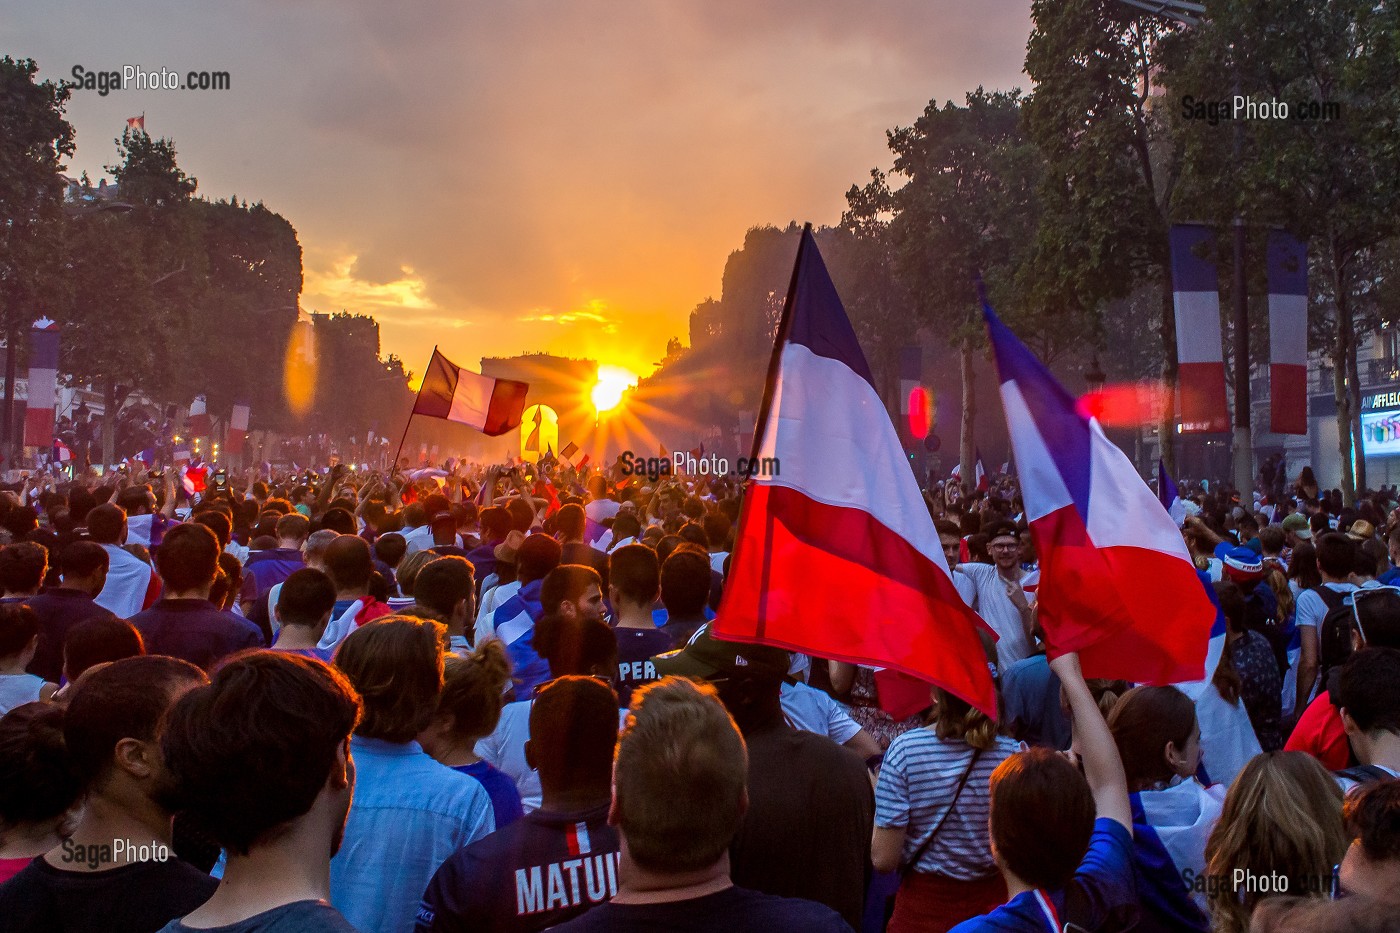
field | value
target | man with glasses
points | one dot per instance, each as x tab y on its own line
1320	730
1001	598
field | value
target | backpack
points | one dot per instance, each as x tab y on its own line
1334	634
1261	615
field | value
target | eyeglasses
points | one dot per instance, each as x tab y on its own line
1356	598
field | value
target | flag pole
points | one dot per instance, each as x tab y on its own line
775	360
417	395
769	389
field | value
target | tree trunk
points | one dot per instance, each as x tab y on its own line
1166	428
109	424
13	440
1341	355
1354	393
966	443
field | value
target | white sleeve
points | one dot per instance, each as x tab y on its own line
339	629
840	727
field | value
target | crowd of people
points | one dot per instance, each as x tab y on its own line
477	699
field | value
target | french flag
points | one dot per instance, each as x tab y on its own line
492	406
1116	582
1288	333
1170	496
1170	831
1227	736
836	554
1200	358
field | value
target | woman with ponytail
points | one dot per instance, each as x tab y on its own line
468	710
1159	741
931	808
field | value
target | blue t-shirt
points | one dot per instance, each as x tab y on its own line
1104	881
500	787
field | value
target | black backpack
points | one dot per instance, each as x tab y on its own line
1334	634
1258	619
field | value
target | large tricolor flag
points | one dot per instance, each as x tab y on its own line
198	424
237	431
43	384
1116	581
836	554
1288	334
492	406
1200	357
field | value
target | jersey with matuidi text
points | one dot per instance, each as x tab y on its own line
543	869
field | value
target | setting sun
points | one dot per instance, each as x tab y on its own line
612	382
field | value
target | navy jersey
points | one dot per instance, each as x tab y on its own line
635	649
540	870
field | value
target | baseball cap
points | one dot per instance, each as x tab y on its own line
1298	524
706	657
1002	529
1242	564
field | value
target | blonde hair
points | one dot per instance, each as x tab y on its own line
1282	815
1278	582
407	572
955	720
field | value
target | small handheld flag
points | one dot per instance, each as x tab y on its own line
492	406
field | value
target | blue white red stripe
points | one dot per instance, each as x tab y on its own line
577	838
836	554
1170	831
1288	333
1048	912
1117	583
1200	357
43	384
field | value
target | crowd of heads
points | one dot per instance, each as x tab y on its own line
377	610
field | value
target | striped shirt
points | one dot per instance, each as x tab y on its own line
917	782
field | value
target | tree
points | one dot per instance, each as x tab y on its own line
34	139
1330	180
250	301
134	278
1110	179
968	208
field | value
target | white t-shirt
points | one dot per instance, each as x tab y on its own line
600	510
505	750
996	608
717	561
417	539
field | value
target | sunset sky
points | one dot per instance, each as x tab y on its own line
505	177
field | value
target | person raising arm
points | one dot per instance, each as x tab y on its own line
1062	839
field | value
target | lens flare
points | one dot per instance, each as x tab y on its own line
612	382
